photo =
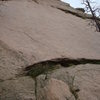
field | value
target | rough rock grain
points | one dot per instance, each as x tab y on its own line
32	32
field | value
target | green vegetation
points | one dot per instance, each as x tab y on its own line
42	68
50	65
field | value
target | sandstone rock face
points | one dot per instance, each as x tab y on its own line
76	83
32	31
17	89
54	90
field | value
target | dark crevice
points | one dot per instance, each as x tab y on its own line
76	14
36	1
81	15
49	65
35	88
72	86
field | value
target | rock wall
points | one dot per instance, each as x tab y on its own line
47	52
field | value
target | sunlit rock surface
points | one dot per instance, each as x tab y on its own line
37	30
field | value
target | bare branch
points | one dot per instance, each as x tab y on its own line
95	11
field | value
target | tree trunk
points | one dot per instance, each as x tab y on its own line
94	17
